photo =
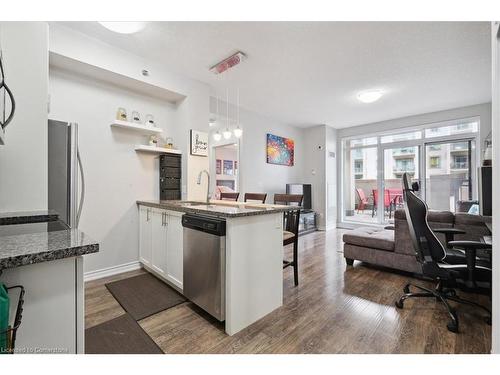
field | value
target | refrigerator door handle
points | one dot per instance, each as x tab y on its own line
82	192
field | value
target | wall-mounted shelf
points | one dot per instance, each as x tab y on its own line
144	129
156	150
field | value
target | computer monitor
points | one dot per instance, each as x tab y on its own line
305	190
485	190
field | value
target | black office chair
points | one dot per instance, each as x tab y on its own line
435	263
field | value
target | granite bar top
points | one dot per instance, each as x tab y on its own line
21	217
224	209
23	244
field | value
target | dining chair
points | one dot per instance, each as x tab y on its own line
291	221
261	197
229	196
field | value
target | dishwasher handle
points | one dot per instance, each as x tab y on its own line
206	224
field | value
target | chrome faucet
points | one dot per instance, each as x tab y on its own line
208	183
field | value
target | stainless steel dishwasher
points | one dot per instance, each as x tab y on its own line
205	263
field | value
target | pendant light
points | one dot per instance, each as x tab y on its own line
238	132
227	133
217	137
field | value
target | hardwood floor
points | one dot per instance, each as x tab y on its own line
335	309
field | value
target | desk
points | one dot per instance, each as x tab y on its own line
486	240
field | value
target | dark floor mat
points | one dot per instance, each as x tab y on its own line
144	295
121	335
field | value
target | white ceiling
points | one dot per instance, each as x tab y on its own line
309	73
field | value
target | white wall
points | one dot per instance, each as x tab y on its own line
481	110
320	148
23	159
117	176
331	178
256	175
192	112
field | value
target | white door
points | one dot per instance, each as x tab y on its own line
175	249
159	242
145	235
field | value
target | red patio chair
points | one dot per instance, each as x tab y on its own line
363	200
387	202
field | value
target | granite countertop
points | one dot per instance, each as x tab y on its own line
224	209
23	244
21	217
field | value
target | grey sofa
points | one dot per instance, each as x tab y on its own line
394	249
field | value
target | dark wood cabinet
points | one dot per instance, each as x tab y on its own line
170	177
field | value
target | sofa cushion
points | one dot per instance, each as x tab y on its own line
376	238
467	219
432	216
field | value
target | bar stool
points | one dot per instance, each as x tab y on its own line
261	197
291	229
229	196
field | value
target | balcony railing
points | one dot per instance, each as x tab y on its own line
409	169
459	165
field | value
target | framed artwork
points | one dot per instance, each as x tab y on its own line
228	167
218	166
199	143
280	150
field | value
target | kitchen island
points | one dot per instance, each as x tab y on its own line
42	254
253	281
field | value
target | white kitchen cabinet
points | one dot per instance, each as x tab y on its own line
159	238
145	224
175	248
160	243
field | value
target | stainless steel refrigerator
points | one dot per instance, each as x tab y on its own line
65	172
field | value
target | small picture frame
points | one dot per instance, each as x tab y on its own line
199	143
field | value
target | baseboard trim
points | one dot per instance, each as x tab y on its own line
110	271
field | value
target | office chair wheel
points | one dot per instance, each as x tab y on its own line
450	292
452	327
399	304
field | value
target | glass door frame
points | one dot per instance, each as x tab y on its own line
474	157
421	143
418	143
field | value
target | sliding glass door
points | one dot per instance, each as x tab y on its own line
441	157
449	173
397	160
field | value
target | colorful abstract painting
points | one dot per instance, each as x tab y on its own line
280	150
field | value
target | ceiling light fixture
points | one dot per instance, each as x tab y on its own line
227	133
228	63
217	136
370	96
124	27
238	132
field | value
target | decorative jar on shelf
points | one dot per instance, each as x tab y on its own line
121	114
150	120
136	117
153	141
